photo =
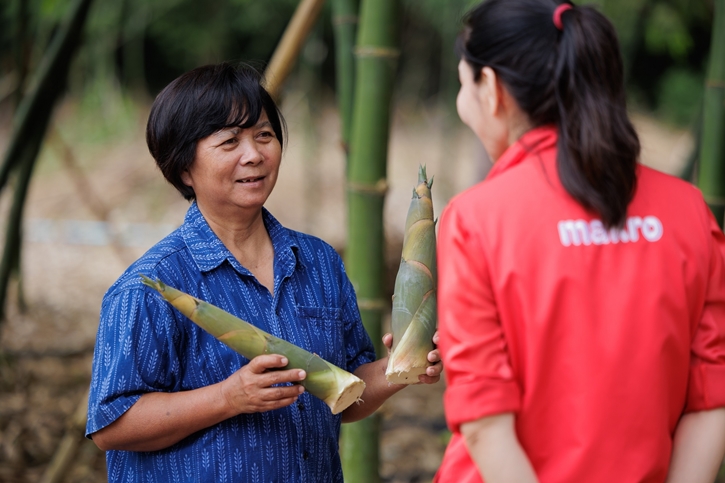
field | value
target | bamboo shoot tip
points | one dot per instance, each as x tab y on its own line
154	284
422	176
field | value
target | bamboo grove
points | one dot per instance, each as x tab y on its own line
366	36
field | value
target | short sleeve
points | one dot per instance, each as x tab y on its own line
134	354
707	363
473	348
359	349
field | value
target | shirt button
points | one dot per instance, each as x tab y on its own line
305	455
301	406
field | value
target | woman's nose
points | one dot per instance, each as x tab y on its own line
251	153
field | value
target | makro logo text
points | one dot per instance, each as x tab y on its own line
581	232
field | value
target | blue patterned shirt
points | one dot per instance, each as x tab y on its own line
145	345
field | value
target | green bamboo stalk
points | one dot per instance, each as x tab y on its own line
35	109
31	123
376	61
336	387
711	176
414	302
22	49
10	262
344	20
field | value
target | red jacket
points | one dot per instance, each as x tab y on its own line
598	340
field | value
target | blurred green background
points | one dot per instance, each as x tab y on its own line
135	47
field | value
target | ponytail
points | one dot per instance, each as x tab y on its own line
564	69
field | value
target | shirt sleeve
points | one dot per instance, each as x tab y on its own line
707	363
473	347
134	354
359	349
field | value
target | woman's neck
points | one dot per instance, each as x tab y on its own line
246	237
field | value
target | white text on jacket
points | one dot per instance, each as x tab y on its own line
582	232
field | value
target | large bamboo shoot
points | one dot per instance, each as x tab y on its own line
336	387
414	299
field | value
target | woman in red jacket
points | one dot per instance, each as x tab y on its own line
582	295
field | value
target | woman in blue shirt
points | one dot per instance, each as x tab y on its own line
169	402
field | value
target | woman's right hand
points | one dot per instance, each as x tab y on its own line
250	389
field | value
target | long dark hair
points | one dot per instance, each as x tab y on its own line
571	77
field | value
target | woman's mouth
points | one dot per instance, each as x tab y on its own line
250	180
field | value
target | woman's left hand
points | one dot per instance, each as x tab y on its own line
433	372
377	388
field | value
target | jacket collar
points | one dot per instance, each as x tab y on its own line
532	142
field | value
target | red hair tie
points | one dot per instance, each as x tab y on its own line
557	14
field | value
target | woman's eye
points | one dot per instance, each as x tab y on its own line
230	141
265	135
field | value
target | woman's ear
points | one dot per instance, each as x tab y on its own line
186	177
490	91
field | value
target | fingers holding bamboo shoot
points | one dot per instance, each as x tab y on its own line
256	386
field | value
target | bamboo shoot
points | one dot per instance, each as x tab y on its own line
336	387
414	299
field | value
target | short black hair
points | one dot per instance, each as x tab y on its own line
200	103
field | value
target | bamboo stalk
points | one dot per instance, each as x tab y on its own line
10	262
22	48
290	45
36	107
376	61
711	168
344	21
32	118
336	387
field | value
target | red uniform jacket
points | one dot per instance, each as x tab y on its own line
599	340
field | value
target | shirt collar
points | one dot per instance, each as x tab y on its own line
209	252
533	141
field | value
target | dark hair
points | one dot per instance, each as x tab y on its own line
573	78
198	104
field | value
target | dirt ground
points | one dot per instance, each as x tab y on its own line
46	349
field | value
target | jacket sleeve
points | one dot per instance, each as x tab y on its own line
707	362
480	380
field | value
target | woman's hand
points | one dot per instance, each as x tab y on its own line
250	389
378	389
433	372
